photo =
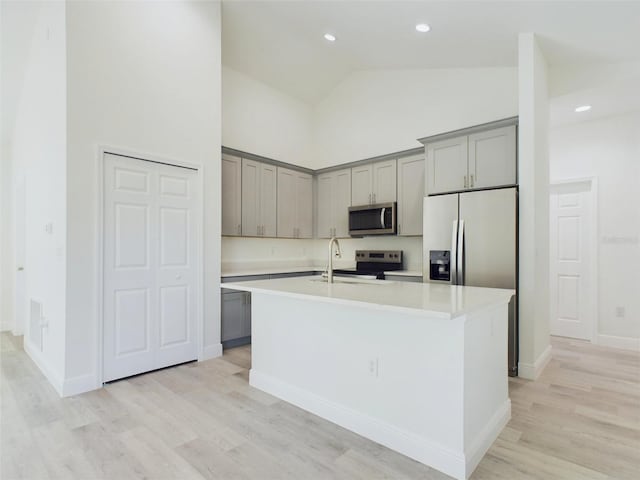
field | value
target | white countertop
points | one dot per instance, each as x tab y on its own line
424	299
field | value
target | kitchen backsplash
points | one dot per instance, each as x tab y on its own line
243	252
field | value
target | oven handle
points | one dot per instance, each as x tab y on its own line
382	217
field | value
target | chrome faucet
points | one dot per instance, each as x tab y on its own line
338	254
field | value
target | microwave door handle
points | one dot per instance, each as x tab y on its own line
382	217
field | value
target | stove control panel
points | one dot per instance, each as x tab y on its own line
379	256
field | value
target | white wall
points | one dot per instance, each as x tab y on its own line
609	150
377	112
39	156
146	77
533	173
261	120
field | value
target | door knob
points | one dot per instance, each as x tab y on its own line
20	269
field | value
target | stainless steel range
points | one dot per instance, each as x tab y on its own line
372	264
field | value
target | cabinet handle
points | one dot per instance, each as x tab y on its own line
399	229
239	229
471	183
465	181
369	199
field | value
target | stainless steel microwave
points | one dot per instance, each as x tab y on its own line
377	219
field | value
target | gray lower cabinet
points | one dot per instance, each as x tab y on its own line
236	307
236	318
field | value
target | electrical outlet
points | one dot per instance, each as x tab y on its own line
620	312
373	367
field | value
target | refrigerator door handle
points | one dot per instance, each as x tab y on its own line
460	253
453	266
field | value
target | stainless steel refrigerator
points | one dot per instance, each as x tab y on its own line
471	238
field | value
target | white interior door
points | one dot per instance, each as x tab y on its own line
150	259
572	298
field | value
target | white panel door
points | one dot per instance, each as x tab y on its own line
176	265
286	210
410	195
384	182
571	269
231	195
150	258
492	158
447	165
361	184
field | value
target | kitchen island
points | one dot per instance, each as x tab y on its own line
419	368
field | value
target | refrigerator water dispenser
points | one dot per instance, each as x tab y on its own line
439	265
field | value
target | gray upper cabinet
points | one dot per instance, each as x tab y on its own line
361	184
384	181
259	195
410	194
231	195
492	158
479	160
334	200
447	165
373	183
295	204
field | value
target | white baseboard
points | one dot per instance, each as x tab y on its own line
38	358
532	371
626	343
419	448
79	384
481	444
211	351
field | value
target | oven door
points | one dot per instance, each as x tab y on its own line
372	220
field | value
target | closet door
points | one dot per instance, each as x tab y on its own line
150	264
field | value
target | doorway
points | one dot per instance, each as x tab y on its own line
573	256
150	265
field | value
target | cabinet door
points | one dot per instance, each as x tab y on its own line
324	208
492	158
231	195
232	313
410	195
447	165
250	197
268	200
361	183
341	197
384	182
286	210
303	202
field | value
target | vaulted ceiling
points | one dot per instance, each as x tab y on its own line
281	42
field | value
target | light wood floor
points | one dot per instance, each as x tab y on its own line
580	420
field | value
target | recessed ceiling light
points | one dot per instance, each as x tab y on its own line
583	108
331	38
423	27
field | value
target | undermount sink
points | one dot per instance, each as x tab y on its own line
346	280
